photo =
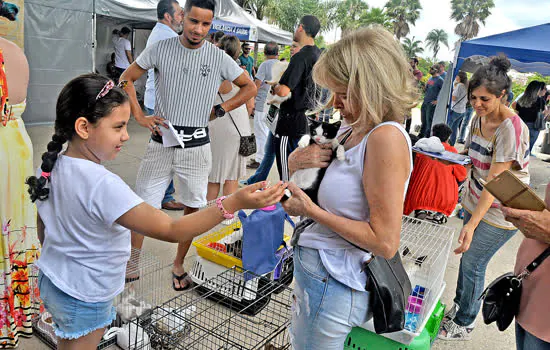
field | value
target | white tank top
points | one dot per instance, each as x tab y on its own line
341	259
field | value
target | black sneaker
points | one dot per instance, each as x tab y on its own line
253	165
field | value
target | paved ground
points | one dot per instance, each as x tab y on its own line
485	337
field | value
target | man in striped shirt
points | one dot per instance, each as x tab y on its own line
188	74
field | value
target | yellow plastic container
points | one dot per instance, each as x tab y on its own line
218	257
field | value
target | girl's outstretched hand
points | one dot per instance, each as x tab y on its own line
299	204
258	195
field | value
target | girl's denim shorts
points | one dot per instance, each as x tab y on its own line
73	318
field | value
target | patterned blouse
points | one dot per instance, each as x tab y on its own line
509	143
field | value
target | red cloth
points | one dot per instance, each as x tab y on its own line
434	185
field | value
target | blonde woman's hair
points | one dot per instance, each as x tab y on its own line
373	66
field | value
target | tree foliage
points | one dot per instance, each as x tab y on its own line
424	65
435	38
468	14
412	47
353	14
255	7
349	13
403	13
376	15
287	13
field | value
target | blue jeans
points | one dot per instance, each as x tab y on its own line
323	309
427	115
168	195
267	162
464	125
454	123
533	135
486	241
527	341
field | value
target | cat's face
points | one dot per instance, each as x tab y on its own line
323	132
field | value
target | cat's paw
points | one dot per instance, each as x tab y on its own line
340	153
304	141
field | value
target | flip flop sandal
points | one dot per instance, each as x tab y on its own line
185	277
440	219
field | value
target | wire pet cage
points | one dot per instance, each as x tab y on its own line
222	249
424	249
207	319
144	287
143	291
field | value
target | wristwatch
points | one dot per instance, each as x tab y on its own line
219	111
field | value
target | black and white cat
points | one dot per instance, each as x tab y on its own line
319	133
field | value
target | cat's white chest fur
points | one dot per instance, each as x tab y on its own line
305	178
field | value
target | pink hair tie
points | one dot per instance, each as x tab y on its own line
45	174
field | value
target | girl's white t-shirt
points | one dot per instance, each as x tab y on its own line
85	251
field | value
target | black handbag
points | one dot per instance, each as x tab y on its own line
247	144
387	282
390	287
540	122
502	297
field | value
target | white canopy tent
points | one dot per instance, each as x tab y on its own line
66	38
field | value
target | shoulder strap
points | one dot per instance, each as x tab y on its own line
533	266
230	117
457	102
480	130
346	136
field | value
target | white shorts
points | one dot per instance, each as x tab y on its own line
188	167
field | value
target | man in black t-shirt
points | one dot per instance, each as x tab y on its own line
297	80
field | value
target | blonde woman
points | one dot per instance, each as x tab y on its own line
370	81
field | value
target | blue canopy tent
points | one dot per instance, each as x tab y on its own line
245	32
528	50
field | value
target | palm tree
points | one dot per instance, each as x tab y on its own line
348	14
435	38
376	15
403	13
412	47
468	13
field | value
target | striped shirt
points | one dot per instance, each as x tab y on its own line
187	80
509	143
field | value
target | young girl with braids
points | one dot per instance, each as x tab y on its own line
85	212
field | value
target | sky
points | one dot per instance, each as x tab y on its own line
507	15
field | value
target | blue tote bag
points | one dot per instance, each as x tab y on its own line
263	232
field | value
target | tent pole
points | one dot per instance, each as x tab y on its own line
256	48
94	44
